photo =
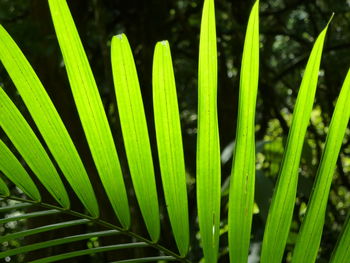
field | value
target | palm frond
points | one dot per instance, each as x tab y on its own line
51	154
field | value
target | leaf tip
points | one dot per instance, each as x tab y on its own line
329	21
164	42
120	37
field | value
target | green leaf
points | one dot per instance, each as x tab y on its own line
90	109
242	182
169	142
310	234
29	146
4	190
56	242
208	179
29	215
14	171
283	200
47	120
43	229
89	251
14	207
341	252
135	133
147	259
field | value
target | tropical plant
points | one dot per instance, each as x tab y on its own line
51	152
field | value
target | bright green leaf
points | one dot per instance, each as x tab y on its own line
341	252
243	169
47	120
309	238
135	133
208	147
4	190
90	109
29	146
283	200
169	142
14	171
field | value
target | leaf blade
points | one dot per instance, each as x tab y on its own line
135	132
169	142
47	120
341	252
208	146
310	234
29	146
281	209
90	109
241	199
55	242
4	190
14	171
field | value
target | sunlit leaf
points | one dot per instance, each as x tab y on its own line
341	252
243	169
4	190
169	142
135	132
90	109
208	179
29	146
14	171
309	237
283	200
47	120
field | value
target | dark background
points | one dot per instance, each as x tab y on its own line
287	32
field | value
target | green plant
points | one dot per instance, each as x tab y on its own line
170	150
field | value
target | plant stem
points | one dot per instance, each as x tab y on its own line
104	224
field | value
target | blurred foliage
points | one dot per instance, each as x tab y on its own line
288	29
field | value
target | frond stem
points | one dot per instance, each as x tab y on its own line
102	223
